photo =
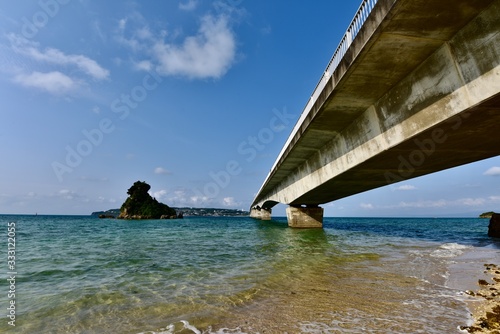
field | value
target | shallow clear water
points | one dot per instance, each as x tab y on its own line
238	275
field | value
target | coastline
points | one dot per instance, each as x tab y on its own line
476	275
485	307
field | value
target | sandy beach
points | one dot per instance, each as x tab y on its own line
486	310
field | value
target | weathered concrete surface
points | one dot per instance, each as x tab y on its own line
259	213
494	227
417	92
309	217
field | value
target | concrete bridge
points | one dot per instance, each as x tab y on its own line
412	89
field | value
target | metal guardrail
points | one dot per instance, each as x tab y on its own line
357	23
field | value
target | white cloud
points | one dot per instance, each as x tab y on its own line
230	202
200	200
129	35
493	171
144	33
178	198
424	204
405	187
209	54
53	82
122	24
367	206
159	195
471	201
162	171
189	5
144	65
55	56
441	203
494	198
67	194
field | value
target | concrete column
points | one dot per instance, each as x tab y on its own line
308	217
260	213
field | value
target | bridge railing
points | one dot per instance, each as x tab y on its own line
357	23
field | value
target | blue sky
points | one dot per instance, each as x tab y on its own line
99	94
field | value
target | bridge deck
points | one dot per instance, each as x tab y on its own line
396	38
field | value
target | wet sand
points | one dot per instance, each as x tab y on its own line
486	308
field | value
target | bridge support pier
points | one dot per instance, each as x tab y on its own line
305	217
260	213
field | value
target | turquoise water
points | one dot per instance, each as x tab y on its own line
79	274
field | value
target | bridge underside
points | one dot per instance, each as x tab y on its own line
417	92
467	137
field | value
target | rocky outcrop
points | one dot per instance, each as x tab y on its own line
140	205
494	227
103	216
487	313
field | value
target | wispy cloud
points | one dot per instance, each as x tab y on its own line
493	171
54	56
424	204
162	171
134	33
51	70
442	203
144	65
367	206
188	5
52	82
67	194
472	201
406	187
230	202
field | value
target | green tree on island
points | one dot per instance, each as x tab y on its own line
140	205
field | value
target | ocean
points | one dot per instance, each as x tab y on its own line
80	274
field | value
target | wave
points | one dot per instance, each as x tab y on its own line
183	325
449	250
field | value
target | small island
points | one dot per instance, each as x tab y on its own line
185	212
140	205
486	214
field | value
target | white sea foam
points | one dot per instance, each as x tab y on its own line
190	327
449	250
170	329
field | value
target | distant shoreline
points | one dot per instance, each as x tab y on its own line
187	212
